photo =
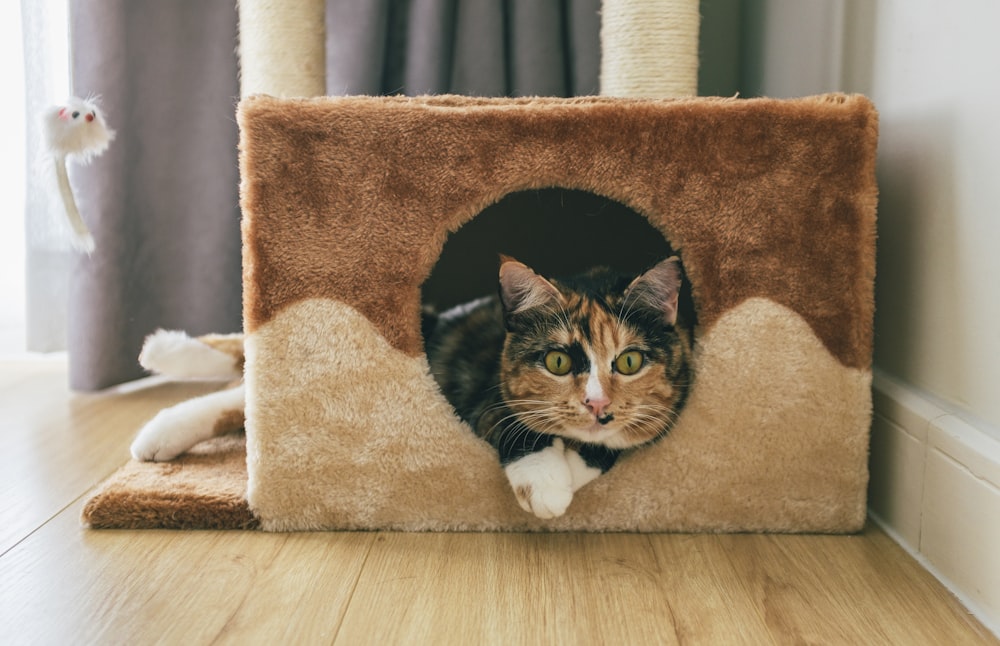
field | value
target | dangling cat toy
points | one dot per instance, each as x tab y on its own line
76	129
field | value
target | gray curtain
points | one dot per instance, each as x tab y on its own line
162	202
473	47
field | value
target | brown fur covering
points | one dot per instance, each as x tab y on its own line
348	202
203	489
763	197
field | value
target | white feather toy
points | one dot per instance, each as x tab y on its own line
75	130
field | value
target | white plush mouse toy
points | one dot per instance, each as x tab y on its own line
75	129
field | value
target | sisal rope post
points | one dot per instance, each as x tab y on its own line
282	47
649	48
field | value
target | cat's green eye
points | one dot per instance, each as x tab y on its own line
558	363
628	363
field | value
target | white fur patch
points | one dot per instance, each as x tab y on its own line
176	429
543	481
177	355
579	470
594	391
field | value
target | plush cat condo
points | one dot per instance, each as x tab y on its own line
347	205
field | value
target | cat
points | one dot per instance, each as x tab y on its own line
563	376
559	376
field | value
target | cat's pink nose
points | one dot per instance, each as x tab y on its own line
89	117
596	405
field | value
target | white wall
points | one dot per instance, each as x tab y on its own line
934	73
933	70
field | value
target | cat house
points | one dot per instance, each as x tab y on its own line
348	203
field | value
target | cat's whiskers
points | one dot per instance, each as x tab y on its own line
510	438
508	404
567	323
661	413
544	426
518	430
651	420
644	429
623	314
540	421
522	419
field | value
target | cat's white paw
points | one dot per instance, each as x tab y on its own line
165	437
176	429
542	481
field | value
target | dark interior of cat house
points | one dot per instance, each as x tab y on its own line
555	231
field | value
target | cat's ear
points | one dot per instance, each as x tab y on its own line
521	288
659	288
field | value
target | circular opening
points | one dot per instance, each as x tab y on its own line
557	232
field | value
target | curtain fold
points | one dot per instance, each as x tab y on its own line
162	202
472	47
482	69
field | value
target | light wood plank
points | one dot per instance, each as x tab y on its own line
69	585
56	445
809	589
663	589
506	588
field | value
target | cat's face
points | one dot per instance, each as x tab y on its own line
600	361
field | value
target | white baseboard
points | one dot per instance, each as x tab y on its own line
935	487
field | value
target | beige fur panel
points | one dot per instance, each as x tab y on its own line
346	432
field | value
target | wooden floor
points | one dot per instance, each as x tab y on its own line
62	584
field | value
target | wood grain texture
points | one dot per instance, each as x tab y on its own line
56	444
69	585
60	583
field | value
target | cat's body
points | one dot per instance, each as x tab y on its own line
560	377
563	376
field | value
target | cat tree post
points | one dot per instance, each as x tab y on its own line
649	49
282	47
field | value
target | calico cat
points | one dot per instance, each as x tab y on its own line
562	376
